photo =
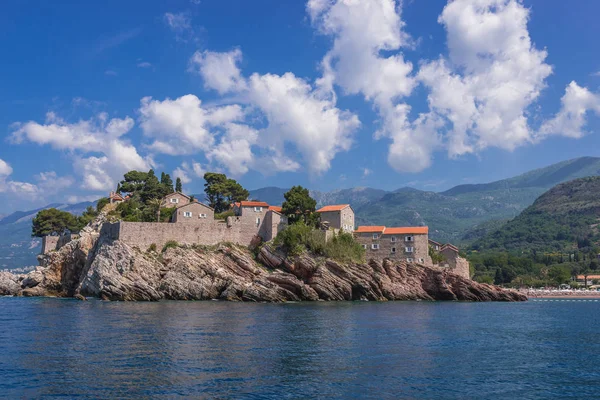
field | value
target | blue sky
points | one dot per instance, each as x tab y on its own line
326	94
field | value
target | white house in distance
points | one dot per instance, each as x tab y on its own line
340	217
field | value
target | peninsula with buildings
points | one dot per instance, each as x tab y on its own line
235	248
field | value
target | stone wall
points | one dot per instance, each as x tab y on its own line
239	230
49	243
52	243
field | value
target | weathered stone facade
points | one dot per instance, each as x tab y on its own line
175	199
403	244
52	243
338	217
243	229
193	213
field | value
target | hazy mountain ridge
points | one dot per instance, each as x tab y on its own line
17	247
565	218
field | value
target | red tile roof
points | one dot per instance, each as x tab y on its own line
415	230
370	229
253	204
589	277
337	207
276	209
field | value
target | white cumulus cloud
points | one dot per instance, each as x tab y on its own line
219	70
84	138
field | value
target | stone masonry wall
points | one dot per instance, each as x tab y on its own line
419	244
210	232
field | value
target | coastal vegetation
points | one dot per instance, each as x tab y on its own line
303	233
550	242
53	221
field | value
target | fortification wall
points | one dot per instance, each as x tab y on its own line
49	243
143	234
52	243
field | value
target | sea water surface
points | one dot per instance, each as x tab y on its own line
414	350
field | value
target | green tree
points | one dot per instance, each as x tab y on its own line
52	220
298	204
152	188
102	203
178	187
133	182
167	183
559	274
88	215
154	207
222	191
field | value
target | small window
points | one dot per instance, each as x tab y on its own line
257	209
257	221
375	236
409	260
393	249
409	239
187	214
374	246
364	246
202	215
393	239
409	249
421	260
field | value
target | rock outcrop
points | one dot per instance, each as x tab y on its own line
97	266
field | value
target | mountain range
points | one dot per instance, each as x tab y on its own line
460	215
564	219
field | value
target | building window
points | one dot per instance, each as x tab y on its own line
393	250
409	260
257	209
375	236
187	214
409	249
257	221
421	260
364	246
393	239
374	246
174	201
202	215
409	239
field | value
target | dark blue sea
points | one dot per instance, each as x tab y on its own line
396	350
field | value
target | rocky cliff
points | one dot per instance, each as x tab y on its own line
97	266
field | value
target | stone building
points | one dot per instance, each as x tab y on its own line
115	198
409	244
338	217
194	212
435	245
174	200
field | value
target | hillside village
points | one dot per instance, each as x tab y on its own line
251	222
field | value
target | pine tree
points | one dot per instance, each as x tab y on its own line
178	187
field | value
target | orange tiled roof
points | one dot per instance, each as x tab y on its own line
370	229
253	204
116	196
337	207
276	209
589	277
415	230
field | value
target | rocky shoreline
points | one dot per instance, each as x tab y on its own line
94	266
